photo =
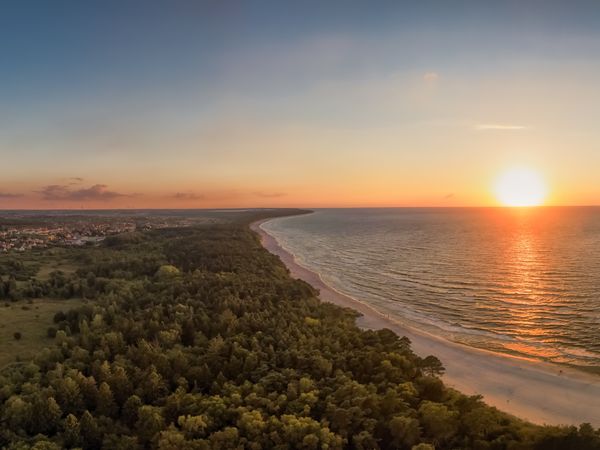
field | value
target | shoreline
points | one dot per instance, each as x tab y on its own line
536	391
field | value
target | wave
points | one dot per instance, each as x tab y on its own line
455	290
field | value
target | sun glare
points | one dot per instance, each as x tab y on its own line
520	187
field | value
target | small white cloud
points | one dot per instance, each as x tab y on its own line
500	127
430	77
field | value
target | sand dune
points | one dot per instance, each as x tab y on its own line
536	391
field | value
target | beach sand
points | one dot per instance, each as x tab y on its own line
539	392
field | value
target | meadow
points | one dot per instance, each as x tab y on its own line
24	321
31	319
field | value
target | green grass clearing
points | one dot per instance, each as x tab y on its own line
32	323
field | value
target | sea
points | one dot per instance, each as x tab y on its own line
522	281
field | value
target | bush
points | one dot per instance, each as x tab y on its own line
17	335
59	317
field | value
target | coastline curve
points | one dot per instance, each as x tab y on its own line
540	392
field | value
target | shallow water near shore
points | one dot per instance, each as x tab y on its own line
519	281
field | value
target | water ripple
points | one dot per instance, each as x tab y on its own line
524	281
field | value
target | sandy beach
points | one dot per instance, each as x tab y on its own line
539	392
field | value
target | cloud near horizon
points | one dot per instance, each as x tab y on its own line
269	194
97	192
187	196
225	195
10	195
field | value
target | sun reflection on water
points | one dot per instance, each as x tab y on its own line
519	280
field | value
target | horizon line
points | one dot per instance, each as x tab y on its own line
240	208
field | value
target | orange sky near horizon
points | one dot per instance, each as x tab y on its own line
375	171
369	168
420	191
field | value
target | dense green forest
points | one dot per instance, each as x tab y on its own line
198	338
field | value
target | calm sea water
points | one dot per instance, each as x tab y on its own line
520	281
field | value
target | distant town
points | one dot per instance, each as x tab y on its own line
76	231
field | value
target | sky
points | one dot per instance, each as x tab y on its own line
203	104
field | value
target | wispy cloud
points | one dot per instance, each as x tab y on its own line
500	127
63	192
431	77
188	196
210	196
9	195
269	194
225	195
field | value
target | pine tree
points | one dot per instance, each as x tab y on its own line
106	402
71	433
90	432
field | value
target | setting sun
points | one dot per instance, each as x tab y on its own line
520	187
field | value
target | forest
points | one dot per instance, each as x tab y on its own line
198	338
